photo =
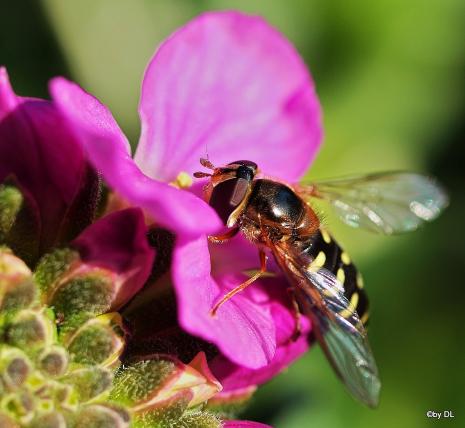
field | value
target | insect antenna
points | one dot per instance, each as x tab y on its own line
206	163
200	174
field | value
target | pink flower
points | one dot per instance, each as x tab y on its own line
229	85
118	242
41	156
239	380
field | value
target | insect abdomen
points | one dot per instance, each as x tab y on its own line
326	253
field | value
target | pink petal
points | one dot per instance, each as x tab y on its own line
242	329
239	255
8	99
39	150
234	377
109	152
235	256
229	86
244	424
118	242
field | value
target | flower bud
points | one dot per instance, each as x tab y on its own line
17	371
19	221
153	382
53	361
229	404
15	367
11	200
89	383
49	420
99	341
101	416
17	290
76	290
51	267
29	330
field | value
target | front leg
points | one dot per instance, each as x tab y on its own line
225	237
244	285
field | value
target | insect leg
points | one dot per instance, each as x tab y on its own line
297	314
244	285
219	239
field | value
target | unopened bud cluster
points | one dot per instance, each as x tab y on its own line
49	376
61	343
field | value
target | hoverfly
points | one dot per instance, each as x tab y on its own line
327	287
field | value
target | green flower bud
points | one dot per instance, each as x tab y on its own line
89	291
99	341
17	372
60	350
161	389
19	221
174	413
17	290
29	330
53	361
11	200
15	367
100	416
90	383
138	382
230	405
49	420
77	291
52	267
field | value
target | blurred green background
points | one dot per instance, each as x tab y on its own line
390	76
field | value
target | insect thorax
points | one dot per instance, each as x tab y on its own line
274	209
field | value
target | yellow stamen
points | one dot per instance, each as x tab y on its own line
183	181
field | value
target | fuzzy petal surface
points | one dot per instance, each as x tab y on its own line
109	152
38	149
118	242
229	86
243	329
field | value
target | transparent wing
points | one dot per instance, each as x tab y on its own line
388	203
341	334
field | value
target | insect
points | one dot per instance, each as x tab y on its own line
326	286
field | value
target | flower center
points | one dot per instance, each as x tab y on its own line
183	181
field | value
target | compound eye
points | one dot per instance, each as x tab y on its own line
245	172
252	165
227	195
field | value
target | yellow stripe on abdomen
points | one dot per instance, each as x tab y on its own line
346	313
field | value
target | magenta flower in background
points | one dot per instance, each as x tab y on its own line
118	242
40	154
230	86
